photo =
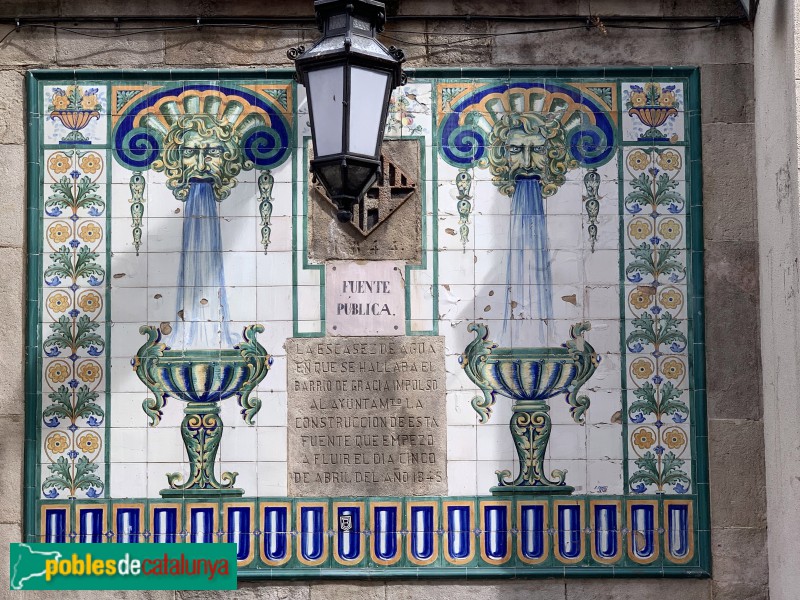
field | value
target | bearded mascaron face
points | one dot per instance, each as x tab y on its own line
201	156
526	154
200	149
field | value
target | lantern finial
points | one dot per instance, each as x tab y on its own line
348	76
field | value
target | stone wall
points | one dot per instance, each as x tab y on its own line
776	170
733	364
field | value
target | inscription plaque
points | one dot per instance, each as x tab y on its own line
367	416
365	298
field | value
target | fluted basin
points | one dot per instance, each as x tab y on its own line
75	120
654	117
530	377
529	373
201	379
200	376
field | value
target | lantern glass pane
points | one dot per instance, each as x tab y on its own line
331	178
359	179
368	91
326	97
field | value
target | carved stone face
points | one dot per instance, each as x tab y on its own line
526	154
201	156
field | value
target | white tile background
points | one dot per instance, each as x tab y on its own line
470	287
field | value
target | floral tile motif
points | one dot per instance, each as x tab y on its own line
656	336
73	323
75	115
407	109
653	112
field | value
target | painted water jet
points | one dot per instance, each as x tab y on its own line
201	363
529	137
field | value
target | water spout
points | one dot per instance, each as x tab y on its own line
202	303
529	294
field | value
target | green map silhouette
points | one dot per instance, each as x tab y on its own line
27	563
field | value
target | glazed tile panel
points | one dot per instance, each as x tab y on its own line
560	261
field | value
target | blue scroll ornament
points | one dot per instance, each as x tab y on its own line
137	147
464	145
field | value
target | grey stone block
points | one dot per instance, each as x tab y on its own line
410	37
9	533
348	591
13	355
255	8
229	46
31	8
629	589
12	109
710	8
12	194
736	469
29	46
731	289
727	93
12	432
134	51
459	43
729	197
486	589
398	237
740	564
515	8
426	7
81	595
581	47
349	427
114	8
256	591
613	8
180	8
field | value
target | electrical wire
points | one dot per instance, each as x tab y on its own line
117	33
6	36
598	25
463	40
594	22
590	23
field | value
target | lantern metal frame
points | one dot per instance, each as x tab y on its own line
341	21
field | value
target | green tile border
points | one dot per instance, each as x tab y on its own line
37	77
31	477
403	568
697	324
297	248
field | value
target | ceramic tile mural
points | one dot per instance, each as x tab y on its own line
512	385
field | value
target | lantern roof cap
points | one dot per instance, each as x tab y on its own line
374	9
348	40
338	44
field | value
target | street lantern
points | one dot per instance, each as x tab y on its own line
349	76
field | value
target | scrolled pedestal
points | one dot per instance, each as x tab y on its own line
201	431
530	427
530	377
202	379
